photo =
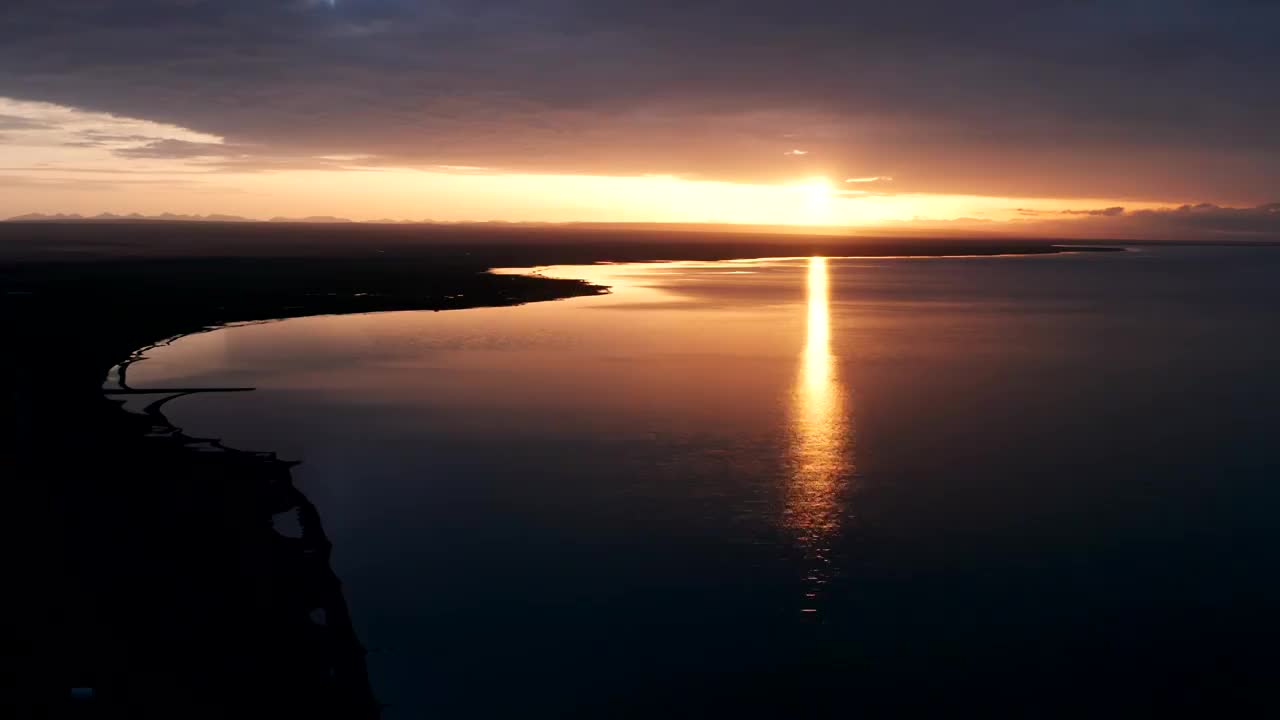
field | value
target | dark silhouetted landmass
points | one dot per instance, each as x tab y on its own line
473	244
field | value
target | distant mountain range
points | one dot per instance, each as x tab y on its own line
172	217
41	217
328	219
335	220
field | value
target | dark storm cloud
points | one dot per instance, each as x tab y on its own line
1128	98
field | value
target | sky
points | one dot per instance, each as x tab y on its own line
1139	117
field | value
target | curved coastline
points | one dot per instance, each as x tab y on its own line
570	288
192	529
179	584
333	680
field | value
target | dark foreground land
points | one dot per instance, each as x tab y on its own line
176	595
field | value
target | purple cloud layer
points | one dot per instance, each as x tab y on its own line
1124	99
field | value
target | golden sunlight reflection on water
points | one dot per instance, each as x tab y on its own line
819	443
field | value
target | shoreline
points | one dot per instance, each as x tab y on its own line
192	525
140	353
583	288
191	530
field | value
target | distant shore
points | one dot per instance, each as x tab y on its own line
498	244
144	282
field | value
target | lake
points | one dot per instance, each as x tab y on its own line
784	486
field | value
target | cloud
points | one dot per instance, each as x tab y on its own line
51	169
796	152
862	194
58	139
1204	221
1262	220
175	149
1189	223
1100	212
41	121
868	186
74	183
13	122
224	157
95	139
1104	212
1013	98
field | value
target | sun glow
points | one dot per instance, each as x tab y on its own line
817	196
61	159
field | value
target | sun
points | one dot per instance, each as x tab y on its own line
818	187
816	195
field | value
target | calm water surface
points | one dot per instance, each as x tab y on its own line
772	486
